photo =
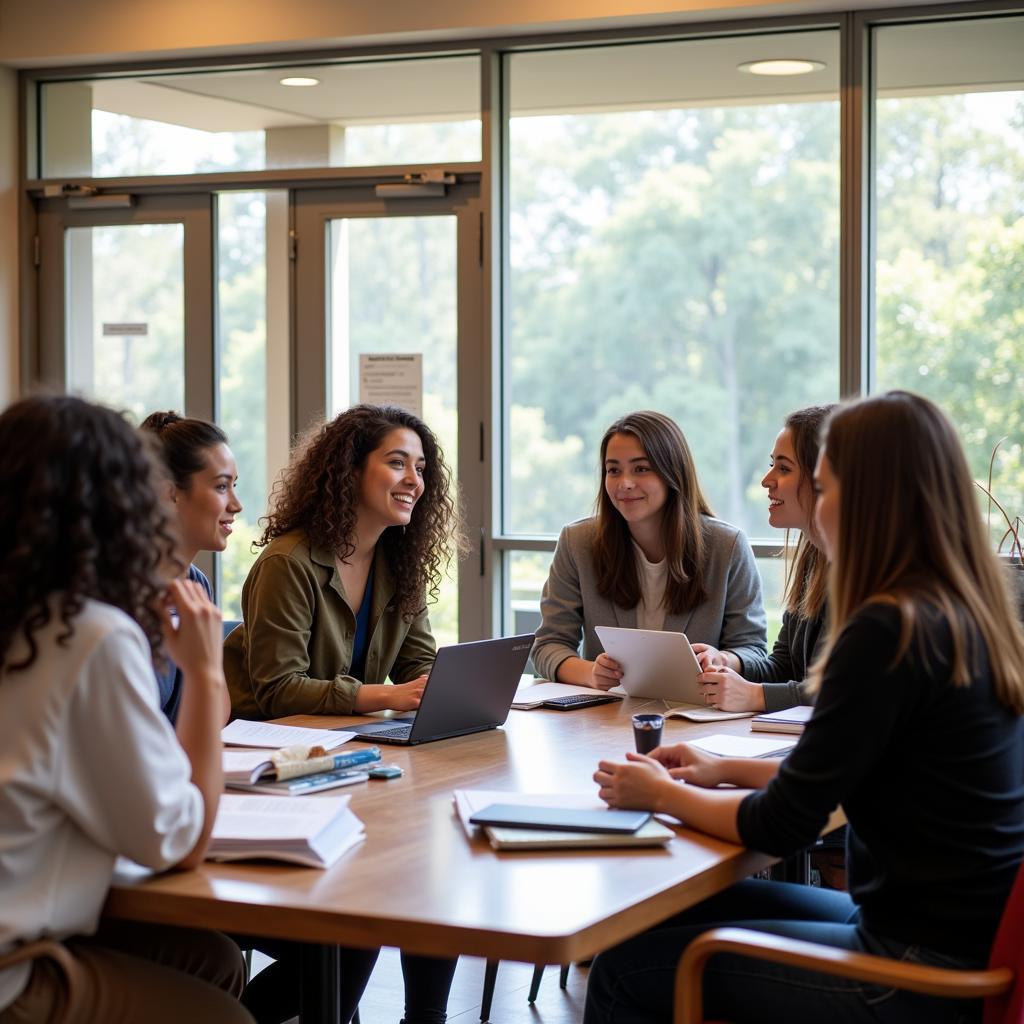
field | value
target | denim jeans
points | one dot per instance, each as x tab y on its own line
634	982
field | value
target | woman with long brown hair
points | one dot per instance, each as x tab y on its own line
734	682
653	557
916	731
361	528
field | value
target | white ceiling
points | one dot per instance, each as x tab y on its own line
959	56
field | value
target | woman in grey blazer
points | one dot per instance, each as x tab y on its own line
653	557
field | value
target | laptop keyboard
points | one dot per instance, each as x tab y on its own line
398	733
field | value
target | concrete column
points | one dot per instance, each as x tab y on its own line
317	145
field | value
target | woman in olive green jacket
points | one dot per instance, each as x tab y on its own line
360	529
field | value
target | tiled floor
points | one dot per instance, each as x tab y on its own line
382	1001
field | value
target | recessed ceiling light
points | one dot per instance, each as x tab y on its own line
300	82
780	67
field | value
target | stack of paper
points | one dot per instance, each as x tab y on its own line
240	733
790	720
743	746
314	831
470	801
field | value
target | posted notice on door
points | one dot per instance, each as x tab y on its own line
390	379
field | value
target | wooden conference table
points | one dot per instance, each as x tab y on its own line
420	883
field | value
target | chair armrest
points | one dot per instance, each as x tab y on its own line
52	951
877	970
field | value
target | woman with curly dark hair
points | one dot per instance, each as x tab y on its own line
361	527
360	530
202	490
91	770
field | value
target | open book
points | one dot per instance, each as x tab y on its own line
310	830
469	801
248	767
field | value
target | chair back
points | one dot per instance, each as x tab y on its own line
1008	951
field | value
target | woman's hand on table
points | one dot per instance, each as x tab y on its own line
639	784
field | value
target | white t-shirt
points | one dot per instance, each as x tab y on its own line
89	770
650	612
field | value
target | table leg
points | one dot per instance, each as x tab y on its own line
320	995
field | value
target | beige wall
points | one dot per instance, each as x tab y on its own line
8	237
38	32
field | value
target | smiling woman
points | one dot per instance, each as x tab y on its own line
203	478
654	557
359	529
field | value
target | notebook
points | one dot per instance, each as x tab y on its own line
469	689
791	720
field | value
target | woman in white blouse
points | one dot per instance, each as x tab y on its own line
91	769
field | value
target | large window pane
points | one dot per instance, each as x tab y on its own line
125	309
392	290
949	273
357	112
674	245
242	332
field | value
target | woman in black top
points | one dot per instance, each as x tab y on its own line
735	681
916	731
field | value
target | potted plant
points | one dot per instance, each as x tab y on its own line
1013	559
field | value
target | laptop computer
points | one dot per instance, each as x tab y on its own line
469	689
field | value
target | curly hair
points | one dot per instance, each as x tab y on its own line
319	494
80	517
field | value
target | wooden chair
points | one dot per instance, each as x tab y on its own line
1001	985
53	951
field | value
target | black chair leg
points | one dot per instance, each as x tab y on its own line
563	976
538	973
490	977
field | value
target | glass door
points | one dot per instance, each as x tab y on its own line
399	278
124	287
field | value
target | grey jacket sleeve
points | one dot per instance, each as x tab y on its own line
561	609
744	627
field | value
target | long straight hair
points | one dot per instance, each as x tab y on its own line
617	577
807	573
910	534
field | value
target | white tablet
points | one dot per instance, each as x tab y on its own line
656	665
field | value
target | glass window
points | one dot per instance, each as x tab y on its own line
242	333
949	265
405	111
674	244
392	290
124	310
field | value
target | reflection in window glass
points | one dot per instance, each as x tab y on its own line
124	309
377	112
949	271
674	245
242	331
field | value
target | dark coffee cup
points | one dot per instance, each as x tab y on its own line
647	732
